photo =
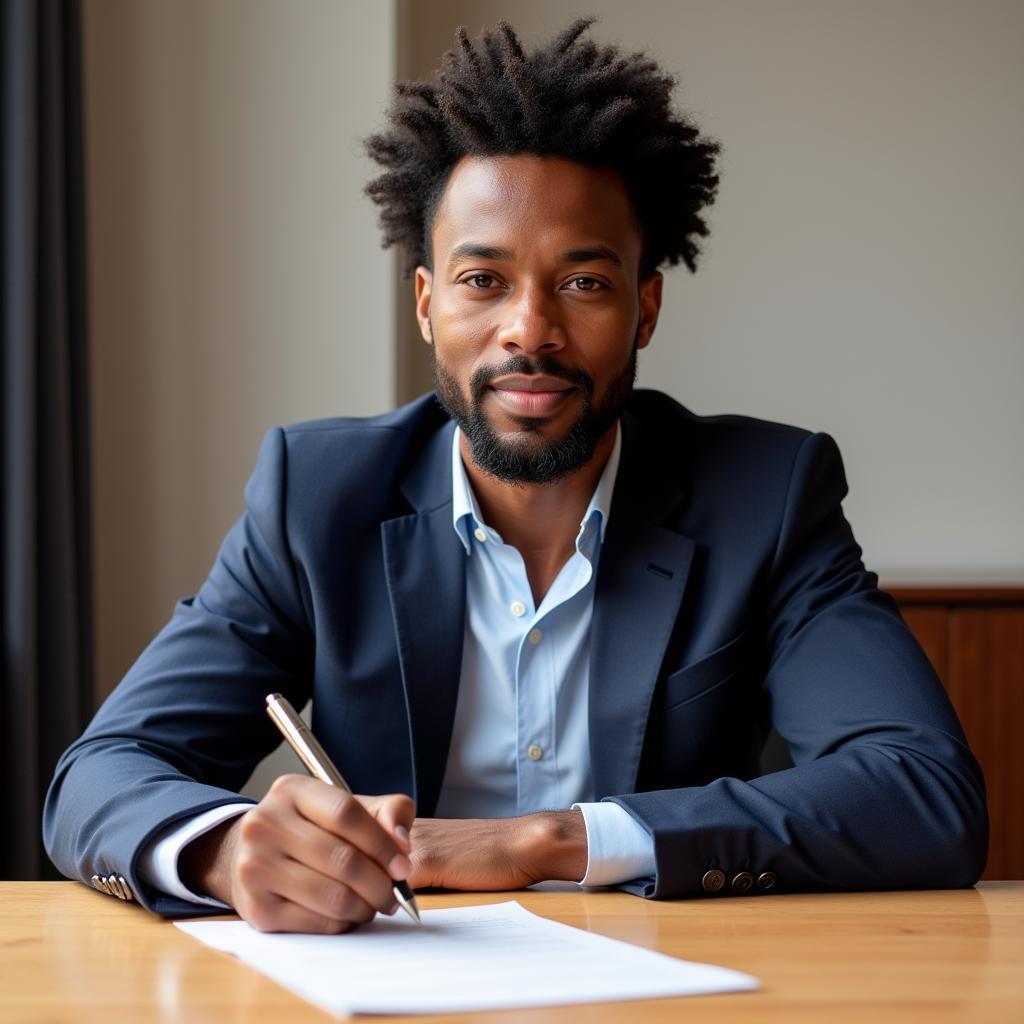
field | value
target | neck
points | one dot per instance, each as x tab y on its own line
540	520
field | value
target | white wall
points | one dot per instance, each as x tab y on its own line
236	276
865	273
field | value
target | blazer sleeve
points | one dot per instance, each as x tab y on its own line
885	792
186	726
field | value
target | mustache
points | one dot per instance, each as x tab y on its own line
535	366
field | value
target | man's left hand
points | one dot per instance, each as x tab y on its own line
498	853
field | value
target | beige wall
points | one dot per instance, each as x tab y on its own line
864	274
236	276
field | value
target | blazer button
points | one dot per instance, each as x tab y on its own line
713	880
767	880
115	889
742	882
126	888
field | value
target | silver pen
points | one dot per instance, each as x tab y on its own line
301	739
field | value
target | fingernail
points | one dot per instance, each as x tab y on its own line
403	834
399	866
392	910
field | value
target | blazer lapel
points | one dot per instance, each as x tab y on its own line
425	566
641	578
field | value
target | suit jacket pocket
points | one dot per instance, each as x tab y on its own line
694	680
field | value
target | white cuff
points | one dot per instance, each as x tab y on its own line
158	862
619	848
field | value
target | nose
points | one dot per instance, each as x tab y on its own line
533	322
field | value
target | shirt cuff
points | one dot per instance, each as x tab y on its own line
619	848
158	862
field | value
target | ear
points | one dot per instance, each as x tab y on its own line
650	306
424	283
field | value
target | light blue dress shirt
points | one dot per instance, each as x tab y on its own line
520	739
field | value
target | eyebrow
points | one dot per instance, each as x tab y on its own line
599	254
473	250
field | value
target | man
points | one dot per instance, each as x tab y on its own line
559	614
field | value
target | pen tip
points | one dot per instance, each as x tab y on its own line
409	906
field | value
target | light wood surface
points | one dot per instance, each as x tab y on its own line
70	954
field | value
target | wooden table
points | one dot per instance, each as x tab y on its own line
71	954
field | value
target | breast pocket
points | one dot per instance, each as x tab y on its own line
713	670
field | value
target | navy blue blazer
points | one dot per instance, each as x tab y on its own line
730	596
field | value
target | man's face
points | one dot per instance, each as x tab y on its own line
535	310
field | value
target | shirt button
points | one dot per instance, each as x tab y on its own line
479	534
535	752
534	636
518	608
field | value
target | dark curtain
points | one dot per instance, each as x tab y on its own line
45	622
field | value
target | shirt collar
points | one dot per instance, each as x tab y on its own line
466	515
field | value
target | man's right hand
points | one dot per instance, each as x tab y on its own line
308	857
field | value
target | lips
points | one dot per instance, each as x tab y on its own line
532	395
530	382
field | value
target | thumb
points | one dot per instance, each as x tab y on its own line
394	813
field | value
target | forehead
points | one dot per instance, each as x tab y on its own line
526	200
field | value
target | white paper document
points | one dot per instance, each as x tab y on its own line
467	958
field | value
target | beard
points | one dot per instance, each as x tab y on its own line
526	456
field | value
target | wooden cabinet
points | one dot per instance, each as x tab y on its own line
975	639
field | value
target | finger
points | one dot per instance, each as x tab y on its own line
321	895
278	830
275	913
395	813
342	814
338	861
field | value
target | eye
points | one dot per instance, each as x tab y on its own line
481	282
584	284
